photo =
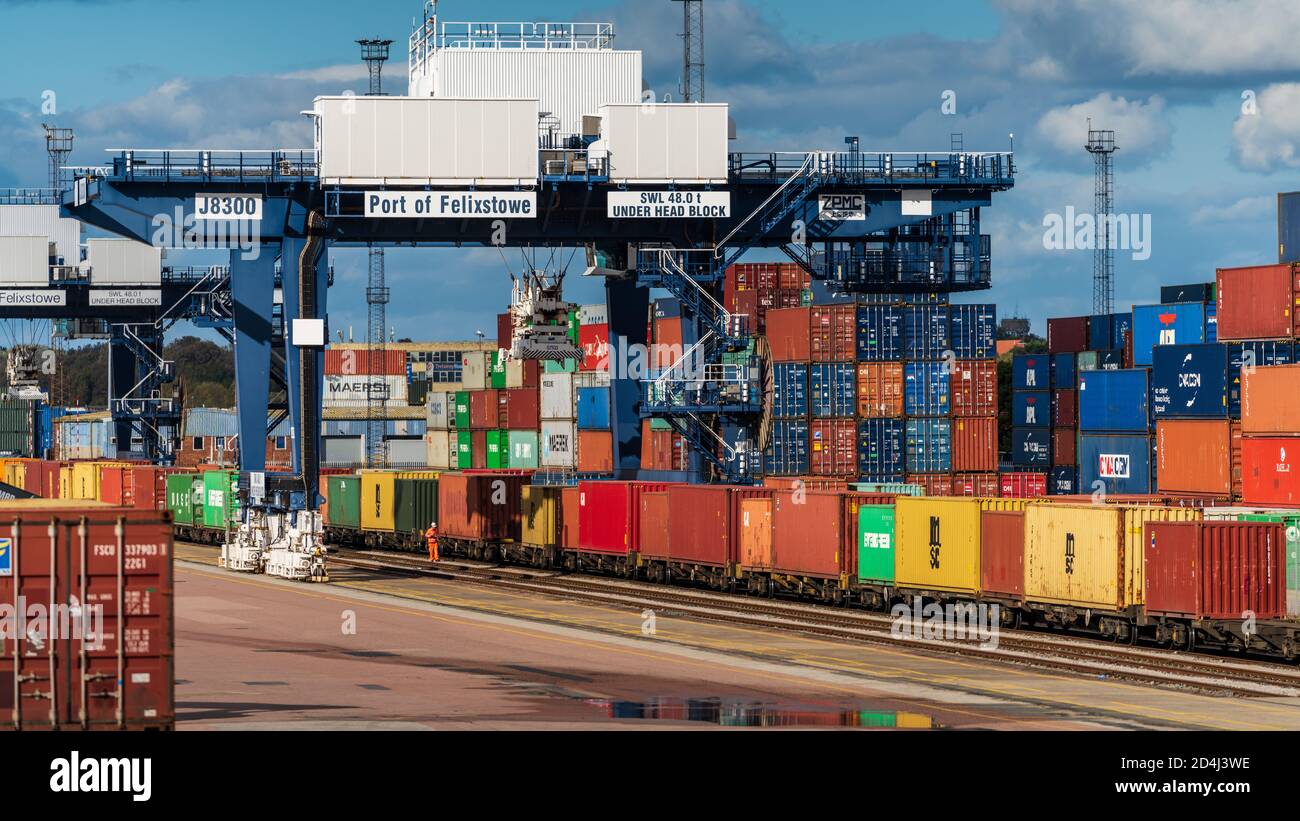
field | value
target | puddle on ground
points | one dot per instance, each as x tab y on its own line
730	713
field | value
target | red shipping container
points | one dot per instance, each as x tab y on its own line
1258	302
1271	471
976	485
1023	485
880	390
794	277
122	564
505	332
745	303
1067	334
833	333
595	451
934	484
1065	409
974	388
700	528
1198	456
1002	553
484	410
808	537
478	449
356	362
787	334
523	406
470	507
532	374
1065	447
1268	400
594	341
975	444
609	514
654	525
833	447
1215	570
116	486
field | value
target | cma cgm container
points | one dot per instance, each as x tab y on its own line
1031	409
1067	334
480	506
880	333
1156	325
880	389
1270	469
925	332
1189	381
1198	456
1030	372
929	445
610	514
832	389
121	562
973	330
1239	567
1257	302
1122	463
789	390
1270	401
925	389
787	449
973	387
1114	401
975	445
882	452
1031	447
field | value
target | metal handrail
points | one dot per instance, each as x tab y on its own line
256	165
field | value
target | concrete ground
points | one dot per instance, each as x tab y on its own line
379	652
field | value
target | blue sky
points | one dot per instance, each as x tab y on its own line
1167	76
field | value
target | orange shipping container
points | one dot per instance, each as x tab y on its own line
935	484
1198	456
976	485
595	451
880	390
975	444
787	334
974	388
755	525
654	536
1257	302
1269	403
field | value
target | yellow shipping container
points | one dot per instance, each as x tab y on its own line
65	482
540	507
1089	555
16	474
85	481
377	490
937	541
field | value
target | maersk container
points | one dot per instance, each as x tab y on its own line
1115	401
973	330
1257	354
833	390
1065	371
929	445
880	333
882	451
1190	381
1031	409
1031	447
1155	325
1121	463
1063	481
593	409
1031	372
789	390
925	332
787	449
926	389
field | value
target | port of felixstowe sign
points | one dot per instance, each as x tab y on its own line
669	204
451	204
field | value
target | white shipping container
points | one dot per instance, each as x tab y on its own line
558	397
594	314
439	410
353	391
344	451
567	83
123	262
514	373
25	261
591	379
426	141
559	445
43	220
476	370
440	448
665	143
408	450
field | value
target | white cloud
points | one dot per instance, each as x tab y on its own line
1270	138
1141	128
1246	208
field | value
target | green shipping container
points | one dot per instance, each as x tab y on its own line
220	498
523	449
343	501
575	328
657	423
876	543
567	366
498	371
415	504
460	420
464	450
1292	523
498	449
185	498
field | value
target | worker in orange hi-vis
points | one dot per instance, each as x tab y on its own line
431	535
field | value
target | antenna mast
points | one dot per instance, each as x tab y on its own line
1101	145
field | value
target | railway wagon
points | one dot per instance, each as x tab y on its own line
479	512
693	533
375	509
546	512
938	546
814	544
609	526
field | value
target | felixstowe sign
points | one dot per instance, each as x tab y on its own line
452	204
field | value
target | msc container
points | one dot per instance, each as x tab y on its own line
938	547
973	331
833	333
343	500
1257	302
185	498
1270	470
875	531
833	447
610	515
880	390
790	390
1198	456
754	531
787	449
973	387
593	409
1002	553
415	505
480	506
120	262
541	511
1270	401
1031	409
832	390
1031	372
787	334
114	559
221	498
1114	401
1031	447
975	445
558	397
1122	463
1215	570
882	451
418	141
1157	325
925	332
664	143
1067	334
929	445
925	389
1023	485
880	333
1189	381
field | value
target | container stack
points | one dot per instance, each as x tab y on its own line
661	448
1031	426
753	289
973	387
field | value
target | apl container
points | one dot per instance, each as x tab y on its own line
929	445
1122	463
1114	401
832	390
1155	325
925	332
925	389
1031	409
882	452
789	390
880	333
1031	372
1189	381
973	330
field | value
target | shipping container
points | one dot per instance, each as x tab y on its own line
833	447
379	497
1065	371
440	410
1254	354
973	387
361	362
1100	331
1067	334
1002	553
559	445
788	334
938	542
119	562
975	485
525	450
929	445
1199	292
882	450
464	450
1112	360
700	527
522	408
1114	401
667	143
1023	485
1121	463
185	498
1065	447
1031	409
790	390
973	331
595	451
1271	471
754	531
787	451
880	389
1257	302
610	515
415	505
832	390
880	333
221	498
975	445
875	528
480	506
926	389
833	333
558	397
1158	325
1190	381
498	449
1215	570
808	535
1198	456
1270	401
1031	447
541	512
594	341
1065	408
1063	481
593	409
1031	372
653	536
925	332
933	484
25	261
343	501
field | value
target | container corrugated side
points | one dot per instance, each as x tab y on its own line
938	542
1236	568
343	496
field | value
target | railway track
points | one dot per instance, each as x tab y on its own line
1074	655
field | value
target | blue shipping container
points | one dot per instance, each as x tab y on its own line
1211	322
1101	330
593	408
1288	227
929	446
1182	324
668	308
882	450
926	389
1065	371
1258	354
787	450
925	332
1122	464
790	390
1031	409
833	389
1190	382
1120	324
1031	372
1031	447
880	333
1115	401
1063	481
973	330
